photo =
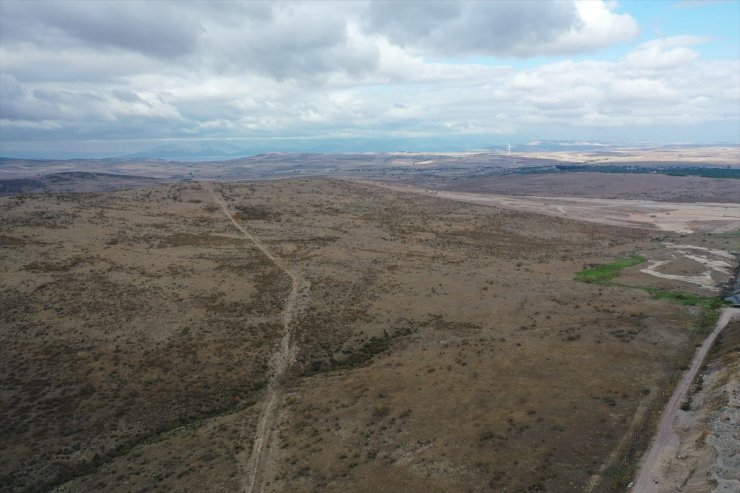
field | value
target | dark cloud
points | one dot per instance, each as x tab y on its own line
158	29
411	21
302	40
279	39
127	96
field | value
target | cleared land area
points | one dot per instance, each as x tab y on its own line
436	345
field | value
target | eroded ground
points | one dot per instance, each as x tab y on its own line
440	346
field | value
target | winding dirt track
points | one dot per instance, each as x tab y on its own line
666	441
280	362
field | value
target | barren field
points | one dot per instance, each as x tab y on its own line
434	345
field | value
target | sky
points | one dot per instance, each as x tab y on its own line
109	78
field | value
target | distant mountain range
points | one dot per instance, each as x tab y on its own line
215	150
218	150
193	151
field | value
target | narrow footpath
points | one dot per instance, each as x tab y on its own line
280	362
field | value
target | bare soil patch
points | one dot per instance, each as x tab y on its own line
683	267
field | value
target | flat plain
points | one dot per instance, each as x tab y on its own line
438	345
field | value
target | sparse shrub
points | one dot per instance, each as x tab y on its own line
604	273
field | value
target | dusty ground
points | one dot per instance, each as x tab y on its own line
441	345
653	187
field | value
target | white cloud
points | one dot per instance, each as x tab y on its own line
664	53
642	91
600	27
30	124
160	29
501	28
279	69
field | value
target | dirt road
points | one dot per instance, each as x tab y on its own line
665	443
280	362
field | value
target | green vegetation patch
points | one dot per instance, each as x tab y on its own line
603	273
684	298
606	273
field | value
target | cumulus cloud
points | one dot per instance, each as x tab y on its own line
665	53
293	39
23	104
600	27
277	69
501	28
160	29
299	43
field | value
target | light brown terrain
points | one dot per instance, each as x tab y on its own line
432	344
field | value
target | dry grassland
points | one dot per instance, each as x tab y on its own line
441	346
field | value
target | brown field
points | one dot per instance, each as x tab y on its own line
438	346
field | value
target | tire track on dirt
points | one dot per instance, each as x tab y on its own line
280	362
